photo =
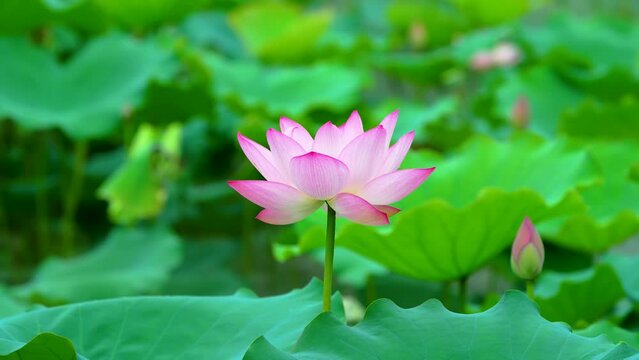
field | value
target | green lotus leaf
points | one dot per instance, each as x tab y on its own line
417	116
613	205
625	266
137	190
568	297
19	16
612	332
84	97
207	269
436	241
493	12
417	68
43	346
211	29
440	22
141	14
9	305
523	162
633	173
535	84
174	327
279	31
512	329
599	43
289	91
167	102
129	262
612	121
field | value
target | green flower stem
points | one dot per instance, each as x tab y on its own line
463	294
530	289
41	199
329	252
72	196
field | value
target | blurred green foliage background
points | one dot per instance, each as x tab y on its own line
118	122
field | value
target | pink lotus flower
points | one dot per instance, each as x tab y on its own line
527	256
354	172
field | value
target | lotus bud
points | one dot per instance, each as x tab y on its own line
481	61
527	256
520	113
506	54
418	35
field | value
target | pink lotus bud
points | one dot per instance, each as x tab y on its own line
481	61
506	54
354	171
418	35
520	113
527	256
126	111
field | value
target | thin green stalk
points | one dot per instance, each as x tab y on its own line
446	295
329	251
463	294
5	241
371	289
41	197
530	289
72	196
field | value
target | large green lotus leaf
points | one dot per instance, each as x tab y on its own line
211	29
626	268
42	347
167	102
613	206
551	169
137	190
174	327
437	241
441	22
9	305
417	116
595	42
568	297
612	332
19	16
419	68
85	96
290	91
492	12
130	261
512	329
207	269
610	121
144	13
535	84
279	31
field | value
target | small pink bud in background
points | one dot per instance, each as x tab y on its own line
418	35
126	111
527	256
505	54
481	61
520	114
